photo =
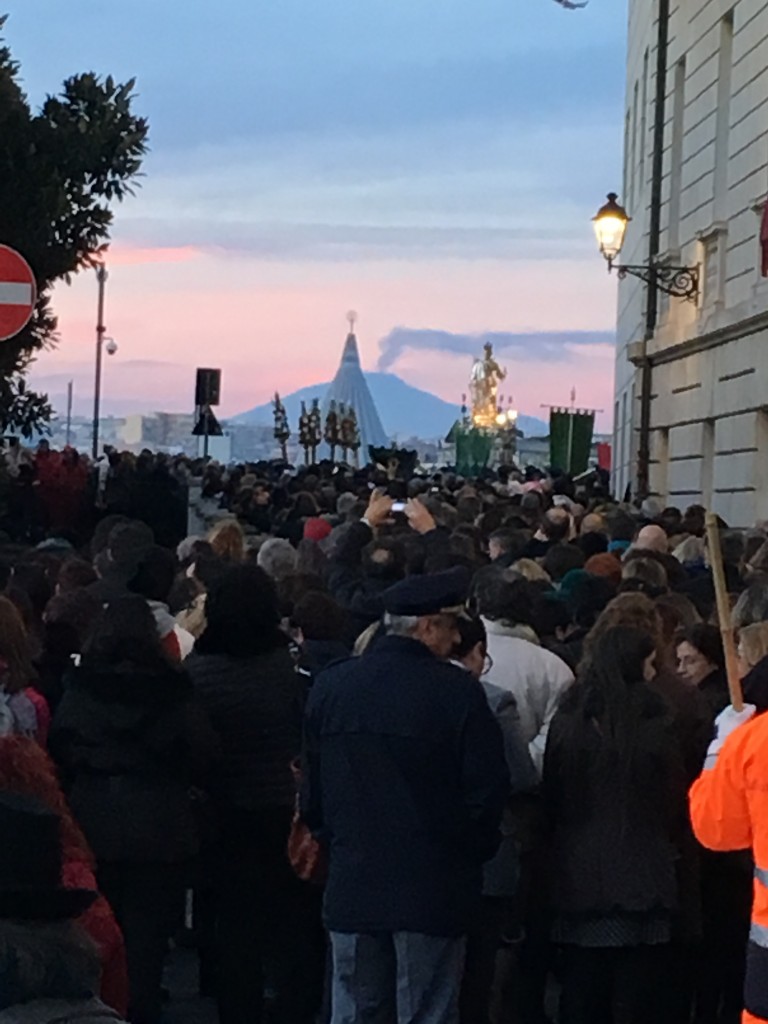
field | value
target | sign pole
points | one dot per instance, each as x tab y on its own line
571	416
69	411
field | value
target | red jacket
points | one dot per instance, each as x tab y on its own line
99	922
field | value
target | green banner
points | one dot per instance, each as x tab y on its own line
473	451
570	440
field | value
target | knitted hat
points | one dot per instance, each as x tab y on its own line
317	529
606	565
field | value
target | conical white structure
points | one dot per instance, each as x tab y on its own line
349	386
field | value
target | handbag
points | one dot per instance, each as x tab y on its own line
305	853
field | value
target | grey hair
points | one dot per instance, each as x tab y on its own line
400	625
277	557
46	960
751	607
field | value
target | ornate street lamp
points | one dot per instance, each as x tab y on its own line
610	223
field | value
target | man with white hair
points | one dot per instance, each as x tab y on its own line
406	784
652	538
277	557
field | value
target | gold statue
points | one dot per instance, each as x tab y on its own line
484	386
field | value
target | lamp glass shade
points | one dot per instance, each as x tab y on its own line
610	227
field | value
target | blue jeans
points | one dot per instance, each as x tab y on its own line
396	978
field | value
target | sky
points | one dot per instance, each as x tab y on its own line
431	164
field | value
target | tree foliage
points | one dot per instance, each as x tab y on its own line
60	169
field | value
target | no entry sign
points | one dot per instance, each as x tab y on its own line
18	292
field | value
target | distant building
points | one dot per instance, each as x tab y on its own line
707	389
349	386
160	431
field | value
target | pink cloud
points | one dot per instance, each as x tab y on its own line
124	255
281	326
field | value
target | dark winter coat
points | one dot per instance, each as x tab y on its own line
714	693
501	875
756	685
255	705
357	592
132	744
317	655
405	782
615	841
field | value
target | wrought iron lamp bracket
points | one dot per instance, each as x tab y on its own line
680	282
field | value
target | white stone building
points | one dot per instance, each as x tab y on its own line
707	360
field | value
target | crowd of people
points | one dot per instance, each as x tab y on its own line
45	492
399	751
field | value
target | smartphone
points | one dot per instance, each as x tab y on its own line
398	506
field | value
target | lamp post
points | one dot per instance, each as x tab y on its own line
506	421
610	223
101	277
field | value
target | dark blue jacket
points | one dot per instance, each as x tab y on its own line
406	782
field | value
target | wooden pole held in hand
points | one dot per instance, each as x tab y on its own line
724	612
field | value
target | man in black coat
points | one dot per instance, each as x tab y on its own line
406	782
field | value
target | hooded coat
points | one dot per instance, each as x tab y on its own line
255	705
132	743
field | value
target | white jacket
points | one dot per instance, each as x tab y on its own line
537	678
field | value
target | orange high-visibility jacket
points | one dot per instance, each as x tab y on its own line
729	811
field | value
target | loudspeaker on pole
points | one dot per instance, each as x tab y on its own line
207	387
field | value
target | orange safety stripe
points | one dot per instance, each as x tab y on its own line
760	908
747	1018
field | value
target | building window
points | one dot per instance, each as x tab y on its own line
712	253
761	257
662	460
707	462
633	154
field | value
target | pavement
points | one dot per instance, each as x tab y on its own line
185	1005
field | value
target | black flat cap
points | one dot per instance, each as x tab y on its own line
428	595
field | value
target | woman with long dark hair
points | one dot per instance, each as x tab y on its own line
701	664
131	743
615	786
244	674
